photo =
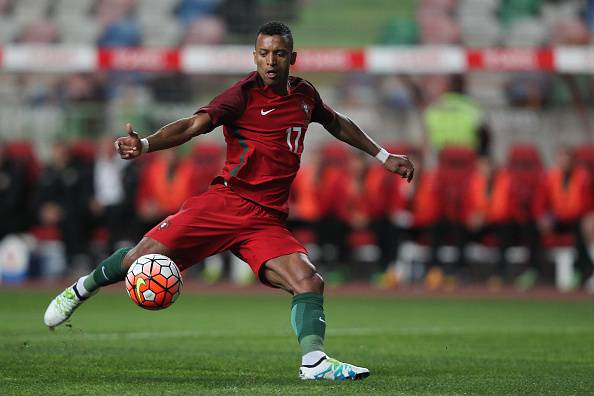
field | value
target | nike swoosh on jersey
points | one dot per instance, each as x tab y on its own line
266	112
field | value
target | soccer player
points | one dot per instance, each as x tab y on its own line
265	118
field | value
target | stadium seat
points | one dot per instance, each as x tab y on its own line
157	13
78	29
524	158
24	152
80	7
526	172
8	29
512	10
585	157
83	150
27	10
528	32
553	12
167	35
572	31
437	6
399	31
438	29
38	32
109	12
156	6
205	31
477	7
453	171
456	161
480	30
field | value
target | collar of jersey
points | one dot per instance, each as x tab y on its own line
268	92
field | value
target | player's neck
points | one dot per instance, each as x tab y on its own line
281	88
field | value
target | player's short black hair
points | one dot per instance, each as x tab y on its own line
275	28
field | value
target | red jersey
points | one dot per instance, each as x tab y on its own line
264	133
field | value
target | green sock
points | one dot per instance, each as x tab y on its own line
308	321
109	271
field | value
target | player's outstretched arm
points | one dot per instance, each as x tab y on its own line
343	128
171	135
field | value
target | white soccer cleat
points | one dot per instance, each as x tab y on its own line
331	369
62	307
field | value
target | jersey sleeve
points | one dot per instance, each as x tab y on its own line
322	113
227	107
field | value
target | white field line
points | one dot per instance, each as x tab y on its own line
77	334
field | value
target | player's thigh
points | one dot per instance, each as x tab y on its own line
269	240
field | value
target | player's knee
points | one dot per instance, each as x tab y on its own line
129	258
145	246
309	280
317	283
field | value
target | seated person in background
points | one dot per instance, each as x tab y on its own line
304	200
568	206
166	182
363	208
355	198
330	228
484	204
412	207
524	182
448	233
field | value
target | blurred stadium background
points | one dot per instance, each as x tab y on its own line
492	98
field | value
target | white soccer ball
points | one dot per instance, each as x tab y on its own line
153	281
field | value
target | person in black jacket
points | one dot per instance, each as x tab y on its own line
63	197
14	195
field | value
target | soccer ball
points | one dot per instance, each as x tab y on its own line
153	281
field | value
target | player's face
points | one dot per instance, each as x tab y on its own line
273	58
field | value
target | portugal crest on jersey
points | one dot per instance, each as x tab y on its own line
306	111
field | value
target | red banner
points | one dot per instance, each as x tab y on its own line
505	59
144	59
330	59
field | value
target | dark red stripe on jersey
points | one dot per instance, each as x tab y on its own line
244	145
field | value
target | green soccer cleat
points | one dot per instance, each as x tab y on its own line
62	307
331	369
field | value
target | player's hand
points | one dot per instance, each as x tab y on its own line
128	147
401	165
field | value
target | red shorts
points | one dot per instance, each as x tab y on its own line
219	220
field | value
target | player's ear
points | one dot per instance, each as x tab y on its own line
255	62
293	58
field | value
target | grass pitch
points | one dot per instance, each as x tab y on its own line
243	344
